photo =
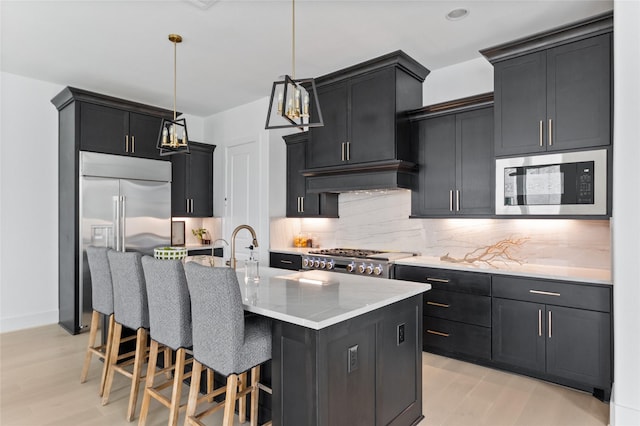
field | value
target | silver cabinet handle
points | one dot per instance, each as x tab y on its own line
301	204
451	200
438	280
187	208
126	143
540	322
550	132
549	324
192	205
288	262
348	151
540	132
544	293
438	333
440	305
343	151
133	144
298	207
457	200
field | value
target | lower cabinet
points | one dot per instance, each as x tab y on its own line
554	330
289	261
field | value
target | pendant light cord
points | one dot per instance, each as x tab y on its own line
175	77
293	39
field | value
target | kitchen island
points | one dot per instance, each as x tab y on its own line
347	350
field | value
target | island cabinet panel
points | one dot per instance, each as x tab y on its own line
555	330
456	165
347	374
554	99
192	182
457	311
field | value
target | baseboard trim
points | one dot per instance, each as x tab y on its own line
28	321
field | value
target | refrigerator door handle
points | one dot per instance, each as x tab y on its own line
123	221
116	222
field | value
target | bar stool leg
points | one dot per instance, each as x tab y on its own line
113	359
230	400
93	331
176	393
194	390
107	353
141	348
242	402
151	367
255	379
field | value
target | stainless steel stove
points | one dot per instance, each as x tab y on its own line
374	263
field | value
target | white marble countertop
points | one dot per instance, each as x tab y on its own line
319	299
566	273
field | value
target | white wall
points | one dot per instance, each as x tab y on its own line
29	203
625	403
458	81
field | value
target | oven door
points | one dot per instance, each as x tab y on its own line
573	183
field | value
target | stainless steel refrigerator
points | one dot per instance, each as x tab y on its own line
125	204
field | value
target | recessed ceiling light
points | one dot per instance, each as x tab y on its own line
457	14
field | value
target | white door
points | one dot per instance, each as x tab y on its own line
243	196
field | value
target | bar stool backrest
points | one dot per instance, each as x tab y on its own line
101	285
129	290
218	317
169	302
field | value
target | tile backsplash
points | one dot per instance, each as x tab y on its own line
380	220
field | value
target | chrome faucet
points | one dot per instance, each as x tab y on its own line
233	261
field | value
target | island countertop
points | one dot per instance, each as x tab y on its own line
319	299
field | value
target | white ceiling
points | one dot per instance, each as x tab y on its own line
234	49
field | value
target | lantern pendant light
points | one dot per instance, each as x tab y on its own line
173	137
294	102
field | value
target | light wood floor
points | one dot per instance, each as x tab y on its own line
40	370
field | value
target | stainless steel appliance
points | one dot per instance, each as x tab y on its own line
572	183
125	204
353	261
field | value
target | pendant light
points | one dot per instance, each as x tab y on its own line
173	138
294	102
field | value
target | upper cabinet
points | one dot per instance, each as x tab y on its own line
113	126
364	127
192	182
455	159
553	90
299	202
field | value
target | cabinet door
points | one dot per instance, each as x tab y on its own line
579	94
437	167
578	345
179	171
103	129
143	136
520	104
518	337
372	117
200	180
475	165
299	203
326	142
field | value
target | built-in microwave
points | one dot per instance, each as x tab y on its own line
571	183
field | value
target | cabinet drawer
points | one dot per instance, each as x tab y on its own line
444	279
462	307
457	338
560	293
285	261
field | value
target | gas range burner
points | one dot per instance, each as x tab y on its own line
346	252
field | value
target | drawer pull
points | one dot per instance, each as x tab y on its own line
288	262
437	280
437	333
544	293
539	322
440	305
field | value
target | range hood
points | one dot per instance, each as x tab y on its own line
378	175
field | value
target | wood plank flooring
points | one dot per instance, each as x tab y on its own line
40	386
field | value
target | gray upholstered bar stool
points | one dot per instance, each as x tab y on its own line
130	310
170	326
224	340
102	303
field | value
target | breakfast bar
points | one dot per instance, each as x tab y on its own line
346	349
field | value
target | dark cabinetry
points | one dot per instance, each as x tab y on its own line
457	311
192	183
553	90
364	129
299	202
557	329
285	261
455	152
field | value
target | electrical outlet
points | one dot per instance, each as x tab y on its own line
353	359
401	334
